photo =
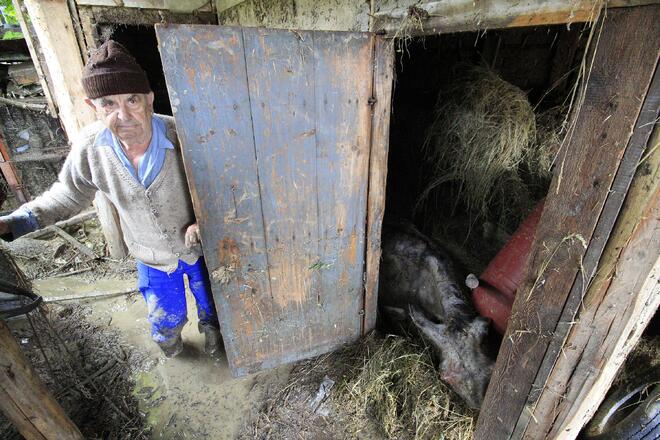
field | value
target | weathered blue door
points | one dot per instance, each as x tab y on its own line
276	132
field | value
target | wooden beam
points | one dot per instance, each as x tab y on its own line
170	5
24	398
75	220
36	58
380	135
54	28
10	173
619	304
568	243
582	347
436	17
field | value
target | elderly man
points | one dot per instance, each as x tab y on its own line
132	156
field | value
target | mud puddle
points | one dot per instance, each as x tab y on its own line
189	397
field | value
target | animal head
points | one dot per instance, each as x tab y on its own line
463	364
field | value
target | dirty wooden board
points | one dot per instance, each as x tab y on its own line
565	242
275	127
207	84
380	134
343	89
553	386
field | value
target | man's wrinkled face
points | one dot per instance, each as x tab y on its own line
128	116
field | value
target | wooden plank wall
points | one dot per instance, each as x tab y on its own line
565	377
275	128
565	249
623	298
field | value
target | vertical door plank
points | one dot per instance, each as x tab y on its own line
380	134
207	82
281	82
343	69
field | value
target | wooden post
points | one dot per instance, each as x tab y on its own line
380	134
55	30
24	398
36	59
620	301
10	174
593	173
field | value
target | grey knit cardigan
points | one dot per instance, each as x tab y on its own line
153	220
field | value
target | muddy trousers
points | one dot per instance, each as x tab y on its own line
165	295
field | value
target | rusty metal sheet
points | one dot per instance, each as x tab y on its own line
275	131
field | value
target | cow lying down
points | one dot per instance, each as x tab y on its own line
418	284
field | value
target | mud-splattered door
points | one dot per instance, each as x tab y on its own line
276	129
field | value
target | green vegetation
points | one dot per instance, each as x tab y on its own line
9	17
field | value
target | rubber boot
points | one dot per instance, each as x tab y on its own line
172	347
213	345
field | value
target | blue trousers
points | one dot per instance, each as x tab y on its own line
165	295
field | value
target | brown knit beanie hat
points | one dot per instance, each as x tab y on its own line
111	70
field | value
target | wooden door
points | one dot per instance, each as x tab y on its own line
277	129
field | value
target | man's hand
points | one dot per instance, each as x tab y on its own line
192	236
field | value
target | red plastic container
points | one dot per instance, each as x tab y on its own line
499	281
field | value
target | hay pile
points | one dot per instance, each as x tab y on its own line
385	388
487	150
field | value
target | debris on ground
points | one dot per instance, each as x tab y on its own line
55	255
384	387
87	369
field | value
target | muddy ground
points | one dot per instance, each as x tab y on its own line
188	397
149	396
107	339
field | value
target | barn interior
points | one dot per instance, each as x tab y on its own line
436	82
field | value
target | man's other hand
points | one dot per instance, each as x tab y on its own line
192	235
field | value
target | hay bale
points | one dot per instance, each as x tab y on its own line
541	155
483	131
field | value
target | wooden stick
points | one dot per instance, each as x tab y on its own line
75	272
89	295
73	242
24	105
24	398
82	217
